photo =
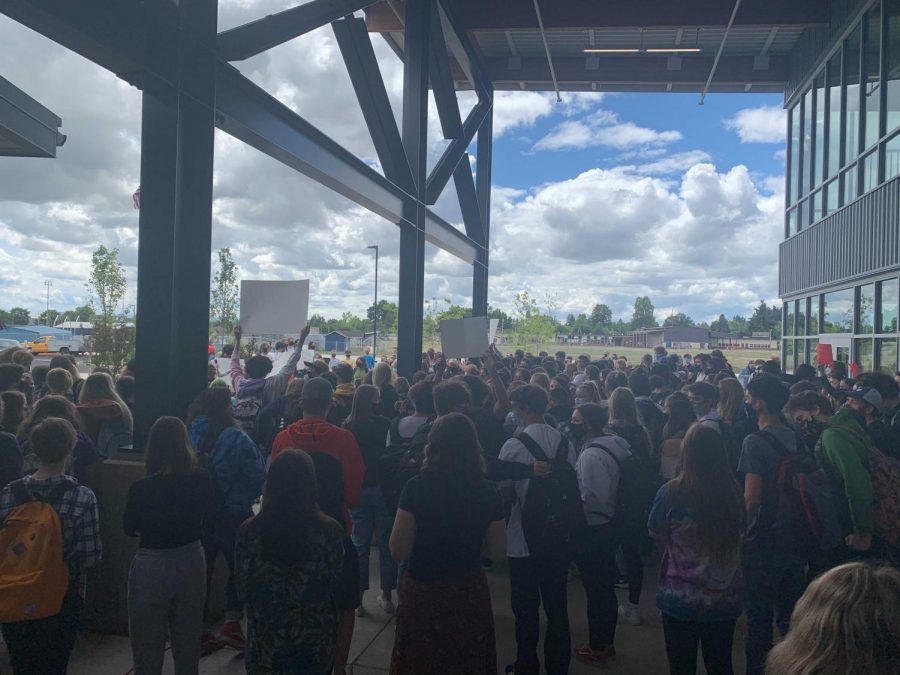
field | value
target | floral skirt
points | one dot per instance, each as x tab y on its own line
445	628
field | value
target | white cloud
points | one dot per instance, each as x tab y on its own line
603	128
765	124
676	163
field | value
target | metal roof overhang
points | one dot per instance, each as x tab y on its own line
755	56
27	129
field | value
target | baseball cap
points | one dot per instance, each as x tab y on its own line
869	395
317	390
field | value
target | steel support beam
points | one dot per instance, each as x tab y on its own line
468	200
442	82
446	165
258	36
175	225
483	166
415	141
359	56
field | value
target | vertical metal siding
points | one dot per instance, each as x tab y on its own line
862	238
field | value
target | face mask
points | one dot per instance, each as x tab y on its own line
580	401
810	428
699	409
576	430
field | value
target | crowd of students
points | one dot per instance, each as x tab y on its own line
751	484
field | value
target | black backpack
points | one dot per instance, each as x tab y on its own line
246	412
330	485
553	519
401	461
634	492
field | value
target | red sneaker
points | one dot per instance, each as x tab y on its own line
209	643
232	635
598	658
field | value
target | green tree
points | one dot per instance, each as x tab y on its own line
504	318
19	316
224	294
601	316
738	324
530	326
680	320
387	316
720	325
761	321
82	313
643	314
112	343
48	317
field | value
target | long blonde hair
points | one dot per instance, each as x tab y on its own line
731	398
363	407
100	387
623	408
382	375
846	623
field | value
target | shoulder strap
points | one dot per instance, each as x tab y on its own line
607	451
20	492
532	447
561	456
56	493
396	438
863	438
770	438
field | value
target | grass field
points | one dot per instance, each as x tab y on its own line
738	358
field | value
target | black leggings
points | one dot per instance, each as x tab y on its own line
44	645
683	637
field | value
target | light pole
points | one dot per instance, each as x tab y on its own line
375	313
48	284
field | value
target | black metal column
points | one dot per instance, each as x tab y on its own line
175	224
415	142
483	164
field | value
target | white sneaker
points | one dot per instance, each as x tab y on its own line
361	611
386	604
629	613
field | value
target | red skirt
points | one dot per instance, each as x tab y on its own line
445	628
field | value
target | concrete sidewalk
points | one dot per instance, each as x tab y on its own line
641	649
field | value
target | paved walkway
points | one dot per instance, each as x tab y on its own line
641	649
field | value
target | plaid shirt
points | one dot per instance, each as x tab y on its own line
79	518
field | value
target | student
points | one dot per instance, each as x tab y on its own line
84	460
15	409
650	415
371	512
698	519
59	383
288	568
846	623
382	378
704	398
340	472
449	518
370	360
239	470
536	578
361	370
404	428
774	571
343	394
598	480
168	510
681	416
279	415
11	466
45	645
104	415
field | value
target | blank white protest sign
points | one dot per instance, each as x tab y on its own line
464	337
274	307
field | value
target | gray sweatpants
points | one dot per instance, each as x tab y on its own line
166	592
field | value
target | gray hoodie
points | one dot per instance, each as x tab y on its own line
598	477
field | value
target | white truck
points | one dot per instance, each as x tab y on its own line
51	344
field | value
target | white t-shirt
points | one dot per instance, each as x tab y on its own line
513	451
407	427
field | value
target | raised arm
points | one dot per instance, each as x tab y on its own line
501	407
237	374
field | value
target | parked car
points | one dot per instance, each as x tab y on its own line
62	345
6	343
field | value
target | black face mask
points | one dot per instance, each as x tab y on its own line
810	429
576	431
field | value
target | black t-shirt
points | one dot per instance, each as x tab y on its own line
451	521
371	436
169	511
10	459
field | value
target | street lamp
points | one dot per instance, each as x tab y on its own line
375	313
48	284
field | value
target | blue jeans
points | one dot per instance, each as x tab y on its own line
774	583
370	513
222	541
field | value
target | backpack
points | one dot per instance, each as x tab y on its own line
634	492
885	474
34	576
246	411
205	461
114	435
804	517
330	485
553	519
401	461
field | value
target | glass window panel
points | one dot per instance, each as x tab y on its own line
838	312
819	169
892	154
887	355
792	222
863	351
892	77
872	89
851	78
890	299
866	309
789	359
813	356
801	317
850	185
807	143
802	215
870	171
814	315
817	213
835	96
794	168
832	197
789	319
842	354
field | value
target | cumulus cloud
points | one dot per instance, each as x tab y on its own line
765	124
603	127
